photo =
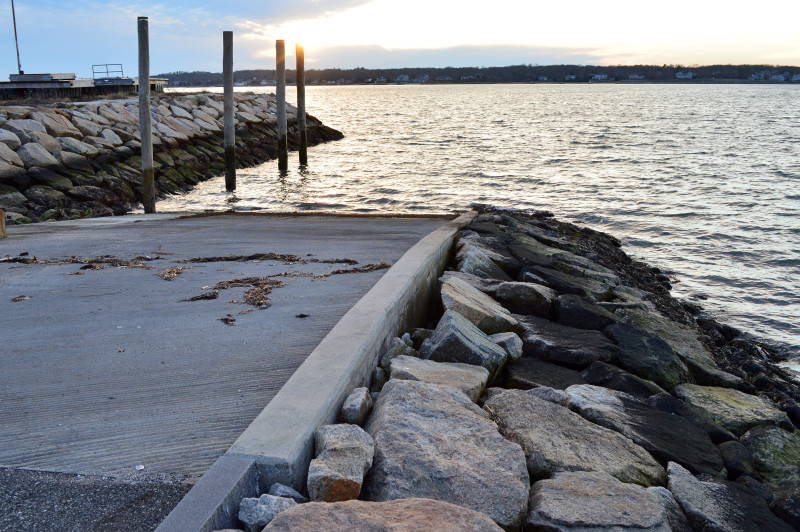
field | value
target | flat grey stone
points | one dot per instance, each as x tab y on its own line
356	407
576	311
487	286
569	284
9	156
401	515
734	410
86	126
552	342
465	377
558	397
111	137
527	373
21	128
255	514
33	154
478	263
456	339
432	442
572	501
10	139
344	454
11	198
505	261
483	311
76	146
665	436
509	341
608	376
646	355
281	490
527	298
397	347
723	506
46	140
555	439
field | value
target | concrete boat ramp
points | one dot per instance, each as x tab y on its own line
118	394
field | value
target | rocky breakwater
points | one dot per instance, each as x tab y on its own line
74	160
561	389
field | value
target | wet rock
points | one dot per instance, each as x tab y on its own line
683	341
281	490
11	140
46	196
552	342
10	197
397	348
776	459
597	501
478	263
456	339
344	455
397	515
483	311
555	439
527	298
356	407
431	441
665	436
509	341
647	356
734	410
255	514
608	376
33	154
758	489
721	505
738	459
672	405
567	284
469	379
95	194
21	128
576	311
527	373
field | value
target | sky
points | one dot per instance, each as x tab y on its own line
186	35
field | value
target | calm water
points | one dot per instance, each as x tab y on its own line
702	181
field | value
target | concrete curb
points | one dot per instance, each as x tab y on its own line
278	445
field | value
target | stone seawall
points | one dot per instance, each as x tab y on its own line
76	160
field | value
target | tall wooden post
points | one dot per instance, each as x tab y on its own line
280	59
301	104
145	120
230	133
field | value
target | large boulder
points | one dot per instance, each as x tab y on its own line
568	284
344	455
584	501
465	377
487	286
10	172
33	154
21	128
684	341
76	146
401	515
10	157
491	248
10	197
608	376
56	124
483	311
86	126
555	439
45	196
665	436
736	411
552	342
721	505
432	442
527	373
527	298
576	311
456	339
478	263
647	356
11	140
46	140
776	459
509	341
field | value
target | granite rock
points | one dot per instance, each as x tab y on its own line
510	342
527	373
608	376
344	454
647	356
483	311
478	263
465	377
33	154
527	298
255	514
552	342
576	311
356	407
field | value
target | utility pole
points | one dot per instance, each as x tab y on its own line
16	39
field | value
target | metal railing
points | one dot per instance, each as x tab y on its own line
109	70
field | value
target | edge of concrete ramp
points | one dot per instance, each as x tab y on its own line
279	444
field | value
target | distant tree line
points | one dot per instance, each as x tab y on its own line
506	74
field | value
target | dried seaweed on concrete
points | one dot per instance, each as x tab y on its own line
20	298
335	261
93	266
249	281
171	273
204	297
289	259
107	260
257	296
360	269
228	320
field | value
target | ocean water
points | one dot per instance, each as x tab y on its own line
702	181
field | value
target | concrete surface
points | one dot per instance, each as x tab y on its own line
108	370
278	445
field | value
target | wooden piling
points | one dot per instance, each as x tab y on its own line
145	120
230	133
301	104
3	233
280	92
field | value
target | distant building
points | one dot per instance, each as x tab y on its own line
380	79
599	77
402	78
777	77
684	75
635	76
796	77
444	78
569	77
542	78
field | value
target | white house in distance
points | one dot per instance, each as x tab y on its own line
684	75
569	77
635	76
796	77
599	77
